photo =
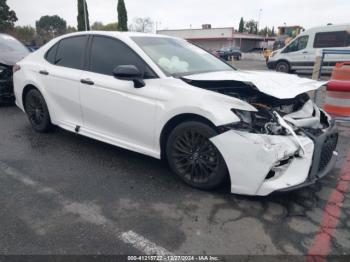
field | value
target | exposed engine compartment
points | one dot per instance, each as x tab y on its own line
300	112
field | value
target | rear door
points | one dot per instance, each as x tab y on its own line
61	77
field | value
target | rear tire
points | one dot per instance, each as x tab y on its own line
193	158
283	67
37	111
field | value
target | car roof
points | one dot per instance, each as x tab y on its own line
327	28
117	34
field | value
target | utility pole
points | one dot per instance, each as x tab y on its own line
158	26
85	16
52	31
260	10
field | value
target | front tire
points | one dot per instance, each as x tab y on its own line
193	157
37	111
283	67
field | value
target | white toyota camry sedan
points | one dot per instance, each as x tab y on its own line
166	98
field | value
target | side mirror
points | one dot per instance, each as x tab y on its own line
129	73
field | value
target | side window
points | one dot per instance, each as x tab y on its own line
108	53
70	52
298	44
51	54
331	39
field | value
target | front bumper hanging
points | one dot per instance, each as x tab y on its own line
324	157
252	158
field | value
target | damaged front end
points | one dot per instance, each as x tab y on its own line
6	84
285	144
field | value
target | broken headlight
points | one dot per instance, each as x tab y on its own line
261	122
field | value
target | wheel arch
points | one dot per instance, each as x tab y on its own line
31	86
175	121
25	91
283	60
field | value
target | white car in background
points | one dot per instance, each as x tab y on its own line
300	54
11	51
166	98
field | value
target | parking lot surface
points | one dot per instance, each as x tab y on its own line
65	194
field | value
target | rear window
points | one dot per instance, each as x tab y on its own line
51	54
332	39
70	52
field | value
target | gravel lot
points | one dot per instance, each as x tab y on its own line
65	194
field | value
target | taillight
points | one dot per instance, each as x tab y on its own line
16	68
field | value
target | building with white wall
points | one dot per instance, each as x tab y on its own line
213	39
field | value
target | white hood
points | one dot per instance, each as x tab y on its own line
279	85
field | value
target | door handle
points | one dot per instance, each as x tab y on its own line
43	72
305	52
87	81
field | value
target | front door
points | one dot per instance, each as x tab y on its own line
297	53
114	109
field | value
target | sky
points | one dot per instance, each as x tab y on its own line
177	14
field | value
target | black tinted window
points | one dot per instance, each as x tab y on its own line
298	44
332	39
71	51
51	54
108	53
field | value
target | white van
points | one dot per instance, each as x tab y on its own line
300	53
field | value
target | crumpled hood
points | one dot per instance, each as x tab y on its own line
279	85
11	58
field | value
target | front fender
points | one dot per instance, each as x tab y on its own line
177	98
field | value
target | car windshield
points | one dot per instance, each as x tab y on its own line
178	57
10	44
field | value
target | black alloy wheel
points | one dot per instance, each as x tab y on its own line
37	111
283	67
194	158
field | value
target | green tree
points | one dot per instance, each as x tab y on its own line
7	17
98	26
273	31
111	27
49	27
142	24
251	27
71	29
81	16
26	34
241	26
122	16
265	31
